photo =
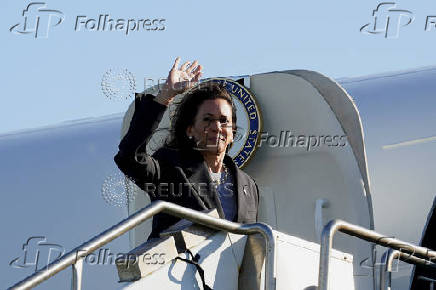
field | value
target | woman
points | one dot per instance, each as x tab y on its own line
192	169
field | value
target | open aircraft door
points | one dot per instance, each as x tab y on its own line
315	169
308	160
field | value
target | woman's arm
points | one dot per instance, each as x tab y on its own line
132	157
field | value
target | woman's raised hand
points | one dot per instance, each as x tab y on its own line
179	80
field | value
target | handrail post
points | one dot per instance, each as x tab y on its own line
386	267
76	277
326	246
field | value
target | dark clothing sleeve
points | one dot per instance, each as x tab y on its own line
132	157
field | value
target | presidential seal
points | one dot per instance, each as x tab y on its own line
248	121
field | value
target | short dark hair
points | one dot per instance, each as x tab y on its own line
187	108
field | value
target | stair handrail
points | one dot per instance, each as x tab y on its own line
388	259
77	255
335	225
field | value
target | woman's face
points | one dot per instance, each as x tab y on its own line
212	128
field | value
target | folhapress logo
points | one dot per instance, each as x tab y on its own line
38	20
37	253
388	20
107	23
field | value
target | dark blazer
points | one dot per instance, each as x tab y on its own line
180	176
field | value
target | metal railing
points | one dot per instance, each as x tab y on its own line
388	259
75	257
360	232
429	280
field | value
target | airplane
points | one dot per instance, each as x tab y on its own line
365	156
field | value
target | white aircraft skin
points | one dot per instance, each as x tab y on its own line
51	178
51	186
398	116
398	113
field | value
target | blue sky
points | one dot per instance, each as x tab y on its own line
50	80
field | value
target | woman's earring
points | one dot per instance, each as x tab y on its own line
190	137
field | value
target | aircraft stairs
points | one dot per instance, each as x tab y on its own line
229	255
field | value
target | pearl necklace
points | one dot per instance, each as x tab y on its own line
219	177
